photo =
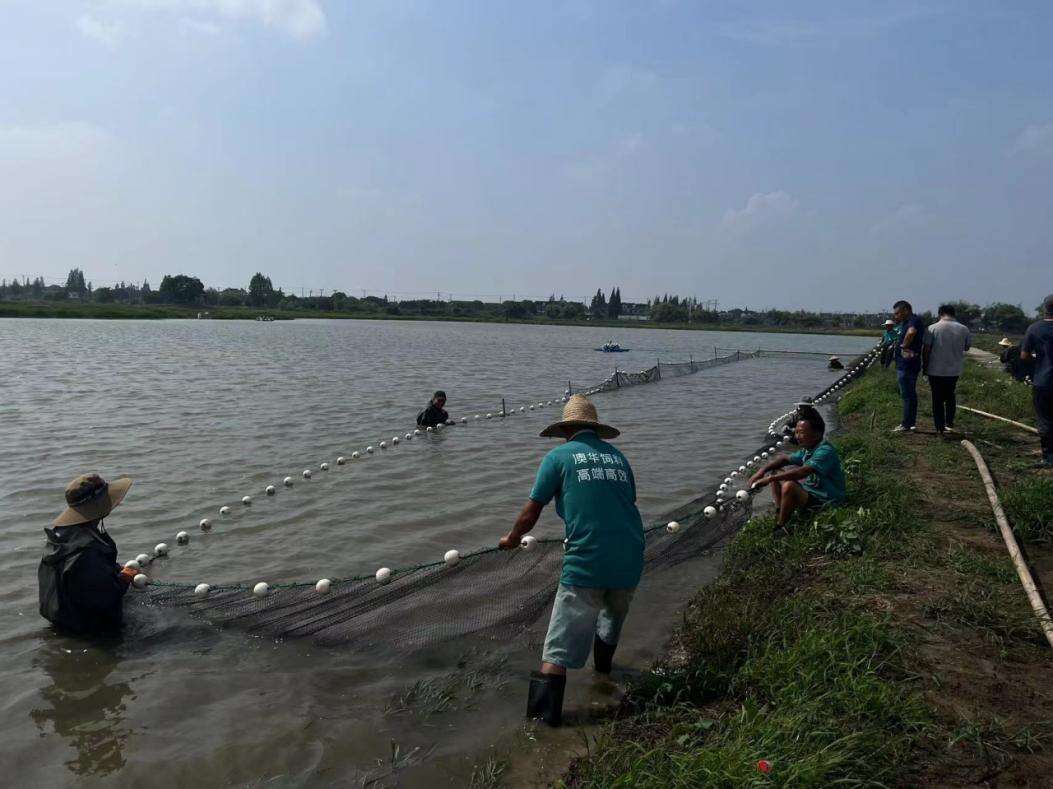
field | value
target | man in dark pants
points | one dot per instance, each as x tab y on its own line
1038	347
908	362
81	586
943	360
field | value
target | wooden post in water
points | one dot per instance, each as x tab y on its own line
504	411
569	389
617	383
692	362
714	352
659	369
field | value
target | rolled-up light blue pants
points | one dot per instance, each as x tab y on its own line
578	614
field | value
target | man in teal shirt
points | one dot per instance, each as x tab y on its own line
595	494
813	477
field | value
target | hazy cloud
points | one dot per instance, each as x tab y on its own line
302	19
789	32
908	217
106	33
50	141
619	81
596	167
1035	138
762	209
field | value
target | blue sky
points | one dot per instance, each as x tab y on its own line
822	155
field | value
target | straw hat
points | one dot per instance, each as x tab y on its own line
1005	342
89	497
890	322
579	413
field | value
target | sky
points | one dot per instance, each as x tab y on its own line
837	155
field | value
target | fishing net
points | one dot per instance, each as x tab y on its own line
490	593
620	378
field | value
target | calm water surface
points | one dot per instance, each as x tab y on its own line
201	413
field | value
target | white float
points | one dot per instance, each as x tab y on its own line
288	482
324	466
143	558
741	469
394	440
246	500
464	420
205	524
489	416
409	436
140	581
383	444
354	456
439	426
261	589
161	549
383	575
269	490
416	432
341	460
369	450
742	495
182	538
202	590
451	557
131	564
672	527
323	586
476	416
727	480
528	542
709	512
307	473
428	430
224	510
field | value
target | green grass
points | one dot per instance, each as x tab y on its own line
788	657
1028	504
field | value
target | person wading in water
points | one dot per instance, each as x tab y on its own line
81	586
434	414
595	494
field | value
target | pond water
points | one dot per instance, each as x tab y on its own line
201	413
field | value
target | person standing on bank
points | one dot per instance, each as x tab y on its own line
1037	347
81	587
595	493
943	360
889	339
908	362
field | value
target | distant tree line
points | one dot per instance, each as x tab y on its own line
189	291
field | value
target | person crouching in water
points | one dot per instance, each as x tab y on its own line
81	586
813	477
434	415
595	494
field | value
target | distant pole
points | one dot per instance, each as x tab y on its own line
659	369
503	409
569	390
617	383
692	362
714	352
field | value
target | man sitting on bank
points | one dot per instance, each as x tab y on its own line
813	477
434	414
81	586
595	494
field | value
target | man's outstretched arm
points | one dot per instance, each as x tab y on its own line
524	523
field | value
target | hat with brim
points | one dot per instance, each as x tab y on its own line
1005	341
579	414
90	498
890	322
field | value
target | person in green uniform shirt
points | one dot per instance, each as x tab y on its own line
888	342
595	492
810	478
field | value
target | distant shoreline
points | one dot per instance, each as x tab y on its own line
171	312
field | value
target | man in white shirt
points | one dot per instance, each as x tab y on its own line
943	359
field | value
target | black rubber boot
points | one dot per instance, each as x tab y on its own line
545	697
602	655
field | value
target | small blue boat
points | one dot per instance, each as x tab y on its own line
612	347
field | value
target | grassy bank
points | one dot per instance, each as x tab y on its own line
887	641
12	309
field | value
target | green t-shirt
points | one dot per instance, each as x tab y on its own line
828	482
595	494
890	335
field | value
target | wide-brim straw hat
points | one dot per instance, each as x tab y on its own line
579	414
1006	342
90	498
